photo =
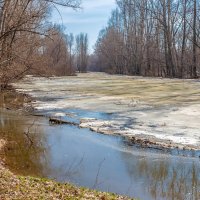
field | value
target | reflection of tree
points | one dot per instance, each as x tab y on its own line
24	148
165	178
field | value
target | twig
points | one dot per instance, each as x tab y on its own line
27	133
97	176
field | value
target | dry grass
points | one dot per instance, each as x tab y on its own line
16	187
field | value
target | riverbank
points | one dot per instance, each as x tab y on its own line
14	186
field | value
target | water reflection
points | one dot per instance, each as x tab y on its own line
24	148
166	177
107	163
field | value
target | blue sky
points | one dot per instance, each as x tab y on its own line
90	19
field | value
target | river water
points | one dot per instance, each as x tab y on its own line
108	163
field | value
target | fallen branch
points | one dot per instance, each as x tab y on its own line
60	121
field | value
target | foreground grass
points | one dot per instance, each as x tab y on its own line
18	187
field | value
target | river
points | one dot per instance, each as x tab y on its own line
108	163
111	162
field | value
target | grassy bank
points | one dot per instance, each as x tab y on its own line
18	187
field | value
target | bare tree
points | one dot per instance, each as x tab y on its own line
22	31
152	38
82	52
70	42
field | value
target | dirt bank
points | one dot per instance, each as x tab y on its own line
12	100
2	144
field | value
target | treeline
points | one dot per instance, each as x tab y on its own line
151	38
30	44
63	54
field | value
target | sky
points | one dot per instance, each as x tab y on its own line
90	19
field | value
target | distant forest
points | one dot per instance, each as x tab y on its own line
151	38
